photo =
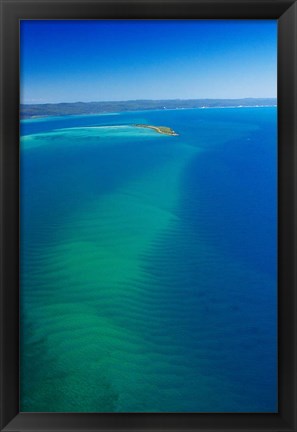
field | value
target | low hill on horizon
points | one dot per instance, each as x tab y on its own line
76	108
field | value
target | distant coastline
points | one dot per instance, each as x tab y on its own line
28	111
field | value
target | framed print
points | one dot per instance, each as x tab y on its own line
148	215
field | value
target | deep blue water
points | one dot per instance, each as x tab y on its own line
148	262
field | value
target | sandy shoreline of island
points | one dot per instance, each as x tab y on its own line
160	129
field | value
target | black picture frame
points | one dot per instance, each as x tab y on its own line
285	11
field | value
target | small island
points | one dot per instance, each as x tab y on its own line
160	129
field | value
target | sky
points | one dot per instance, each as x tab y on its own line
114	60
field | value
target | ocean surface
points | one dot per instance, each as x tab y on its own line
149	262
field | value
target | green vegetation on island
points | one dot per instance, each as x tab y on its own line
160	129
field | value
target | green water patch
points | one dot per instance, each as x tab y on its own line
97	135
98	315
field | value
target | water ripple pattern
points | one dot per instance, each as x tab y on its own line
148	262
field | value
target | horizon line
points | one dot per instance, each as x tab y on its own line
145	100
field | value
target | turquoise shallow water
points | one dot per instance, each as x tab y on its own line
148	262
